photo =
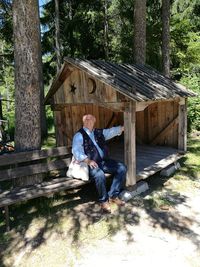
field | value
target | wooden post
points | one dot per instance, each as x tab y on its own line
130	143
7	219
182	129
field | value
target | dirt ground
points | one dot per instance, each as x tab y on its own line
156	237
158	228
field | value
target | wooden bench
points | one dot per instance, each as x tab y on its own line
23	164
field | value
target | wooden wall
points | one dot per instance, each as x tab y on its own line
158	122
84	84
69	120
156	125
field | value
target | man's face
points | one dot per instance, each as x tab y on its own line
89	121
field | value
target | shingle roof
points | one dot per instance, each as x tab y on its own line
139	82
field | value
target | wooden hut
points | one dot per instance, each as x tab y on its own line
151	107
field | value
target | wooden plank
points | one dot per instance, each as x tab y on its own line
146	125
161	120
140	127
109	94
153	120
140	106
61	76
156	167
165	131
43	189
130	143
33	169
19	157
175	130
168	118
182	128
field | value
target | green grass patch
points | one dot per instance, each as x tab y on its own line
49	141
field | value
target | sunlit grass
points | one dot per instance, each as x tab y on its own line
49	141
185	180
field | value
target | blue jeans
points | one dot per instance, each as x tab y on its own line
111	166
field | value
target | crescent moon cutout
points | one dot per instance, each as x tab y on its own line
94	87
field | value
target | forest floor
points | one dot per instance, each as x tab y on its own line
161	227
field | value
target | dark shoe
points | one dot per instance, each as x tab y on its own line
117	201
105	206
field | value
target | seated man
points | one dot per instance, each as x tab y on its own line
89	146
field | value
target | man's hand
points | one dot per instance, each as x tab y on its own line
91	163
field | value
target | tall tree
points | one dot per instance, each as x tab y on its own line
57	35
166	37
105	8
139	31
28	76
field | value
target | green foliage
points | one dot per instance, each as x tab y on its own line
7	89
185	38
192	82
82	35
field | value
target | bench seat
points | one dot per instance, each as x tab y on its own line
55	185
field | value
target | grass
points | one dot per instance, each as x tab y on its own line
49	141
185	180
50	231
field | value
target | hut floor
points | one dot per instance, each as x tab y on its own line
149	159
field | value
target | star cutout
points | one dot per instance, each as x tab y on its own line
73	88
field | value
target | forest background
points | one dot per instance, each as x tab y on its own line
82	35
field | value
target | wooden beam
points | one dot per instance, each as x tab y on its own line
26	156
182	129
164	131
130	143
34	169
140	106
115	106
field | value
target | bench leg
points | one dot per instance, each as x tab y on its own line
7	219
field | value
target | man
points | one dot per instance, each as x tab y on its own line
89	146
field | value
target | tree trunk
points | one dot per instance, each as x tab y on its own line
106	29
28	78
139	40
57	36
166	37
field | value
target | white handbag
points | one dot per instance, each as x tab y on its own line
78	170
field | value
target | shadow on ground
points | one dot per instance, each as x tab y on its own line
69	214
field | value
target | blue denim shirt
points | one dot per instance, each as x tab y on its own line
77	143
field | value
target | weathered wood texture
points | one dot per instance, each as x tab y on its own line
182	130
158	124
42	189
15	158
130	143
137	82
69	120
149	159
81	87
23	165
